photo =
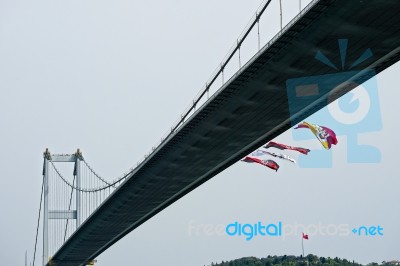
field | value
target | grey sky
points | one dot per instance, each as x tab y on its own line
111	77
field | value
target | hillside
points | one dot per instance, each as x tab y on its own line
288	260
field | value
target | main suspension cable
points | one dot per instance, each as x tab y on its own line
99	177
90	190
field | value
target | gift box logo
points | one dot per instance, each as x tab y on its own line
357	112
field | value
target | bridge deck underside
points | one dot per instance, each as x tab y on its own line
248	111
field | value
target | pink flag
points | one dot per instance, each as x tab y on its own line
325	135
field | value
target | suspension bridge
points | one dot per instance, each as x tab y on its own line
84	214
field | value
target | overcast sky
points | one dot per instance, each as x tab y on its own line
110	78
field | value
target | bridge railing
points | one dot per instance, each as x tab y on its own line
209	90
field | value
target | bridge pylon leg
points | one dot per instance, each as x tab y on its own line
78	185
46	156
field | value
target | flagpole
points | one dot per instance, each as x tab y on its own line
302	245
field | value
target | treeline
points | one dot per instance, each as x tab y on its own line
286	260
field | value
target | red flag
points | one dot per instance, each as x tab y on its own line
268	163
286	147
305	236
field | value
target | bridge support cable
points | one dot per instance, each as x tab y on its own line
280	8
238	48
222	73
258	31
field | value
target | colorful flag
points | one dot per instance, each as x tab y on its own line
280	146
305	236
325	135
268	163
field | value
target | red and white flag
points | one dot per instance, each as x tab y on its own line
268	163
280	146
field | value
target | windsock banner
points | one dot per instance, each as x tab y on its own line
280	146
325	135
268	163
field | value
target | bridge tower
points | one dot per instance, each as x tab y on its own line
75	158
